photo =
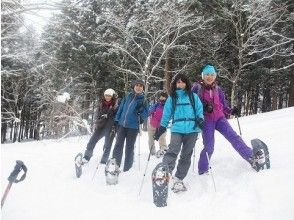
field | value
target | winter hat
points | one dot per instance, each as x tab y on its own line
162	93
109	92
139	81
208	69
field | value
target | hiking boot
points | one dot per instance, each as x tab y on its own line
178	185
258	160
160	153
85	160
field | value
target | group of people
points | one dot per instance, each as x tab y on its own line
191	109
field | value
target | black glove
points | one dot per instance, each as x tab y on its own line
159	131
236	111
141	120
200	123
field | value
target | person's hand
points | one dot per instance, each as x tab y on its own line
159	131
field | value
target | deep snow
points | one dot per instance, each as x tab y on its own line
51	190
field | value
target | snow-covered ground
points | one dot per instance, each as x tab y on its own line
51	190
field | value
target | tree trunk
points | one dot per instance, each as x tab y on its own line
291	91
167	73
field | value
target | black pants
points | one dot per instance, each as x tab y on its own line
108	133
128	134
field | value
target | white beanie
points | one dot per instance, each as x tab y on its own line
109	92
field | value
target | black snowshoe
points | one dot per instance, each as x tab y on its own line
112	172
78	164
260	159
160	180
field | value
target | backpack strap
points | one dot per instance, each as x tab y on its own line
174	105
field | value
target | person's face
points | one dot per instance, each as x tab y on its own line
162	98
107	97
138	88
181	84
209	78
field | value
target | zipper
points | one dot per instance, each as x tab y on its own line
128	109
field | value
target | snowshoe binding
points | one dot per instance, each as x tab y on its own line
160	180
260	158
111	172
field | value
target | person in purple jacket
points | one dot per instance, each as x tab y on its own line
216	111
155	114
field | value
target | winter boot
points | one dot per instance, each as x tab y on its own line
160	153
257	160
178	185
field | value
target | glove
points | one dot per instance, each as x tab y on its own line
200	123
141	121
159	131
236	111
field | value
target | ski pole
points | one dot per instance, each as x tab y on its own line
239	125
13	178
210	171
145	170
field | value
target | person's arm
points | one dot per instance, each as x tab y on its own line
167	112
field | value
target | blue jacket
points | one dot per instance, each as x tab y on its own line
183	110
133	110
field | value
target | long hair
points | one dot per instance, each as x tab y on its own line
173	84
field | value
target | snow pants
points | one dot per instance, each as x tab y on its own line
128	134
109	133
161	141
223	126
183	143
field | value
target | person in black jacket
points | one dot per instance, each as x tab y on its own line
104	126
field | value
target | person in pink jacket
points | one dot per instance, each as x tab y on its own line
155	115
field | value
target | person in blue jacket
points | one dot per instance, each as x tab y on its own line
132	112
185	110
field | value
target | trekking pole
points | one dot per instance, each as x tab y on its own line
194	149
210	171
145	171
139	153
239	125
13	178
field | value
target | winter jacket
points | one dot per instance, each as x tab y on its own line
183	110
132	111
155	112
105	112
216	97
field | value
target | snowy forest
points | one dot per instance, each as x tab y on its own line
51	82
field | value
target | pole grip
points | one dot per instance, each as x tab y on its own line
18	167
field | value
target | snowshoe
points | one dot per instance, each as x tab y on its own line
111	172
260	159
178	186
78	164
160	180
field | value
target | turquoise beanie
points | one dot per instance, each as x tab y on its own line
208	69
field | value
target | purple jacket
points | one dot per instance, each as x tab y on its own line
155	112
213	95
